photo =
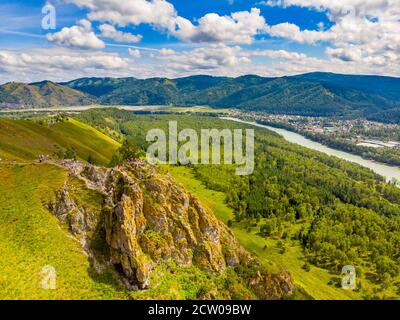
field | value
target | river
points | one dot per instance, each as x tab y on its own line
389	172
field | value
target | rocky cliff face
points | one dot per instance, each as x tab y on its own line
147	219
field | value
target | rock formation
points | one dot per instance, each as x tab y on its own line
148	219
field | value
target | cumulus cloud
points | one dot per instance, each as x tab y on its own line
166	52
239	27
80	36
158	13
365	31
205	59
346	54
60	64
277	54
134	53
109	31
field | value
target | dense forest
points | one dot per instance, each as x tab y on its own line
338	212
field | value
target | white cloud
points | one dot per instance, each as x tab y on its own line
109	31
166	52
158	13
239	27
134	53
80	36
345	54
277	54
206	59
364	31
60	64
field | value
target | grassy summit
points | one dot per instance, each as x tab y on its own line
26	140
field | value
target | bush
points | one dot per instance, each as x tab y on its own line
306	267
128	151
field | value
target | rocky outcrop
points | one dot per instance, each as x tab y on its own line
148	219
271	286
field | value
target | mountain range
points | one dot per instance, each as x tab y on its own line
312	94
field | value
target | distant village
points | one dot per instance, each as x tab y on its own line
332	127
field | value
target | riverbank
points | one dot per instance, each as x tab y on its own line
391	173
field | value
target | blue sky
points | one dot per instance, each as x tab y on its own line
146	38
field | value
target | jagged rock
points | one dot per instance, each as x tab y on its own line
149	219
272	286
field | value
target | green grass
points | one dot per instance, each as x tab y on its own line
314	283
32	237
26	140
170	282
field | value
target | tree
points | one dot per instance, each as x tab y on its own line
306	267
128	151
90	159
70	154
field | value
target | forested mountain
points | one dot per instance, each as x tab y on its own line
41	94
318	94
387	87
314	94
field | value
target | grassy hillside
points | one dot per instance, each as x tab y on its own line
31	238
26	140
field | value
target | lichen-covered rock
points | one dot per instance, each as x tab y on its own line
272	286
149	219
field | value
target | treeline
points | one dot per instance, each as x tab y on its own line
387	116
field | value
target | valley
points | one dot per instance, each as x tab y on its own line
250	213
280	215
186	159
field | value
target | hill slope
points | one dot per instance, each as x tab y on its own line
300	208
26	140
119	230
318	94
31	238
40	95
314	94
